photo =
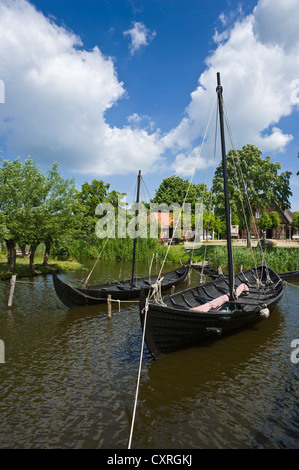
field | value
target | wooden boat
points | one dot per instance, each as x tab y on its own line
214	308
73	296
289	275
206	311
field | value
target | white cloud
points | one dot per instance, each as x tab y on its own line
57	93
56	96
140	36
277	24
136	120
257	69
185	165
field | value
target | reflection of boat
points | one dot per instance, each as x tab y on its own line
213	308
78	296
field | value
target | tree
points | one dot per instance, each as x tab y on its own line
60	209
275	220
253	183
22	188
264	221
91	195
174	189
34	207
295	221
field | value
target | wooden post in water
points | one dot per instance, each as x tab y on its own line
172	289
109	305
12	289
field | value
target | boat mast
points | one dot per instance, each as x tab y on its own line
136	222
226	198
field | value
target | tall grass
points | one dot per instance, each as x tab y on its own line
112	249
279	259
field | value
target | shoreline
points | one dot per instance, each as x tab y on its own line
178	255
22	269
254	242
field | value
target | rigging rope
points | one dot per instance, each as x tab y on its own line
211	192
190	182
238	169
100	254
154	292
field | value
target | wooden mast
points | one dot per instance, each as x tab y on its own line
136	222
227	205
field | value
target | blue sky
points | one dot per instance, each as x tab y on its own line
106	88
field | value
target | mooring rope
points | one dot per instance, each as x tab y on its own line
155	287
156	292
139	375
293	285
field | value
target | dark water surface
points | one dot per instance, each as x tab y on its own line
69	377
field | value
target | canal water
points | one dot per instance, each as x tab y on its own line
69	377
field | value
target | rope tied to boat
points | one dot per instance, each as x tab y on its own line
156	293
145	310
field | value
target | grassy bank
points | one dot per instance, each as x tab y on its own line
279	259
22	267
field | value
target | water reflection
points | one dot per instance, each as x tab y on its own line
69	379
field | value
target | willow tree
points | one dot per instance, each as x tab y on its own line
34	207
60	209
22	188
254	183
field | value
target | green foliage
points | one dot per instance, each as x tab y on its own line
265	221
249	174
279	259
295	221
90	196
275	220
269	220
174	189
34	207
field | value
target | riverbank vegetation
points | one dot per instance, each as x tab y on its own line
279	259
46	210
22	267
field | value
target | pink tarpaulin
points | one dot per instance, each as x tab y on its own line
219	301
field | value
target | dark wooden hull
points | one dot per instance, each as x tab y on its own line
73	296
175	326
289	275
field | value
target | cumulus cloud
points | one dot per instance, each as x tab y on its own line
56	96
257	70
282	29
140	36
57	93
